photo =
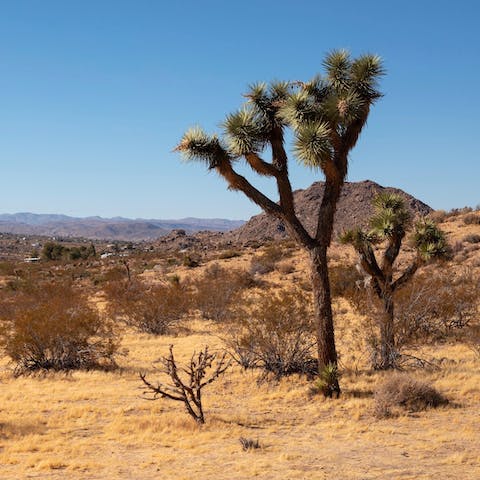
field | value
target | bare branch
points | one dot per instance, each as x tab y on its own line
188	391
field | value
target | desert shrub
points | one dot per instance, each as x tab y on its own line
8	268
455	212
261	266
438	216
431	308
344	279
226	254
401	392
471	219
113	274
267	260
57	251
286	268
472	238
249	444
436	306
190	261
274	332
217	289
154	309
471	337
54	327
173	261
457	247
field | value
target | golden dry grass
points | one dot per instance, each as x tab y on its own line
96	425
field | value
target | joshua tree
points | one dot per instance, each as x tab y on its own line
326	116
390	224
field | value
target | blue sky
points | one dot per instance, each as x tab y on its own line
94	95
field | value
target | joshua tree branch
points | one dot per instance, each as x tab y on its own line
407	274
260	166
238	182
391	253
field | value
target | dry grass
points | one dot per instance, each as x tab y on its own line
96	425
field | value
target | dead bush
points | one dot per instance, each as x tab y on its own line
344	279
217	289
54	327
187	382
226	254
438	216
472	238
249	444
191	261
286	268
471	219
399	392
472	338
154	309
274	332
434	306
267	260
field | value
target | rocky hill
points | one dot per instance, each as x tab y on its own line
354	209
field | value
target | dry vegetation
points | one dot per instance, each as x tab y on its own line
96	424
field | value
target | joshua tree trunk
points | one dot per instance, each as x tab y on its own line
388	351
327	354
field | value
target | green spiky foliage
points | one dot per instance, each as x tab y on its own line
336	104
391	217
390	223
358	238
325	117
327	380
197	145
319	112
430	241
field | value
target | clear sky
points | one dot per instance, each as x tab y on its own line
94	94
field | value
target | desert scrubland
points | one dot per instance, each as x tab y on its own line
97	424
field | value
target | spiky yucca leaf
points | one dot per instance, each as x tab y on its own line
318	88
328	379
429	240
389	221
257	93
266	100
337	64
312	144
358	238
279	91
366	70
245	132
343	109
389	200
196	144
299	109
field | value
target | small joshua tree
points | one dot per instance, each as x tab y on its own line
189	390
390	224
326	117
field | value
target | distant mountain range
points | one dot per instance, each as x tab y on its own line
117	228
354	208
